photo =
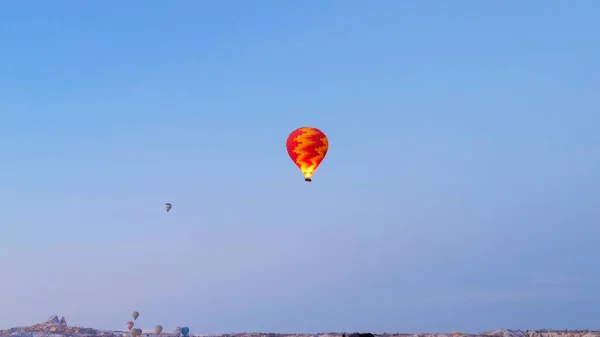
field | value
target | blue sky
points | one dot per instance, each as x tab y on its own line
460	191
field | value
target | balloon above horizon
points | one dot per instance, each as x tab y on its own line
168	207
135	315
307	147
158	329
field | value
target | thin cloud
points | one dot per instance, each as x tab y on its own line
512	295
563	280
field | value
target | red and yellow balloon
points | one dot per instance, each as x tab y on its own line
307	147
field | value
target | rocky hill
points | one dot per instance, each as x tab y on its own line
55	327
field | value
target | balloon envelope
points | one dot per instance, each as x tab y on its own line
135	315
130	325
177	331
168	207
185	331
158	329
307	148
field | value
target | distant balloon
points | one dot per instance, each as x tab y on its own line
136	332
307	147
185	331
177	331
130	325
135	315
168	207
158	329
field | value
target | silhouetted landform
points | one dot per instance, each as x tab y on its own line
55	327
361	335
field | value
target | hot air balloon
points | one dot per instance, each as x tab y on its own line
177	331
168	207
130	325
158	329
185	331
136	332
135	315
307	147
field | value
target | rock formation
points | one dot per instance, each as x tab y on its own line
53	320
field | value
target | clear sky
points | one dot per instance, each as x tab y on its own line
461	190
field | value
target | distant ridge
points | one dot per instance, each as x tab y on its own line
55	327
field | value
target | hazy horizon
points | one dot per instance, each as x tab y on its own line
460	191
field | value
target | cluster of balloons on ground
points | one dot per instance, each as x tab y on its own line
157	329
307	147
